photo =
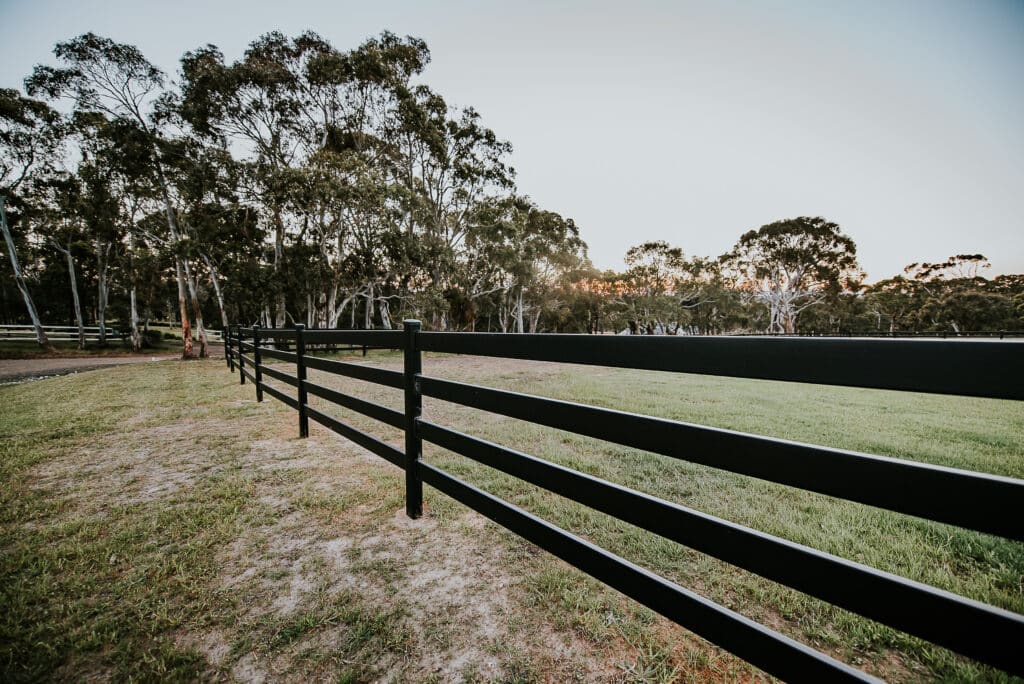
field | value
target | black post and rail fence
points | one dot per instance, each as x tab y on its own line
977	501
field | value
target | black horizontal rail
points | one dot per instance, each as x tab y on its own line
943	334
279	395
276	333
381	339
771	651
384	414
983	502
380	376
369	442
278	354
928	491
969	627
278	375
964	367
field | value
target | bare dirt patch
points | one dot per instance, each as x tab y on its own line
330	576
341	531
21	370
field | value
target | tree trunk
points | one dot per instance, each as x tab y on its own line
179	274
133	307
368	312
186	327
331	316
519	311
136	335
215	279
102	260
197	311
278	258
74	294
535	320
41	337
790	322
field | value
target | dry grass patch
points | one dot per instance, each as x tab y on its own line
162	537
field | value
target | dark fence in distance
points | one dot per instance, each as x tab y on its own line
976	501
941	334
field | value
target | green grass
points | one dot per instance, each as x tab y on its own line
977	434
157	523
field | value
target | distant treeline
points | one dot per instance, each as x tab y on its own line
307	184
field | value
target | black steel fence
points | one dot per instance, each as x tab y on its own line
976	501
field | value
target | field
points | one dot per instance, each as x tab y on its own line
158	523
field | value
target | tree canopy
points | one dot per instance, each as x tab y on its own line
334	187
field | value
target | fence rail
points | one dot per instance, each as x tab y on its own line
70	332
977	501
15	333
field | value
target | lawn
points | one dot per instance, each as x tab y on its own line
161	524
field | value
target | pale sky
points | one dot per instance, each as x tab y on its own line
690	122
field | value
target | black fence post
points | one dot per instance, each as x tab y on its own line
300	373
241	359
224	338
257	361
413	409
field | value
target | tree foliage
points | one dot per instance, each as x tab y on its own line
307	183
793	264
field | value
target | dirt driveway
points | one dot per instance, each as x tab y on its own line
23	370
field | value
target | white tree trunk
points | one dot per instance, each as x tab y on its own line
179	272
41	337
215	279
74	294
519	311
102	261
330	315
368	312
278	260
535	320
134	313
197	311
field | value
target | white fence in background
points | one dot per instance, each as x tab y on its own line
59	333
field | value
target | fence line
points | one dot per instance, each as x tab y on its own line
15	333
976	501
70	332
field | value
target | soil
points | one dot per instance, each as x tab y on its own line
25	370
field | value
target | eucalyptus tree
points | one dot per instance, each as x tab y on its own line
253	103
953	296
118	188
207	182
350	103
791	265
118	82
655	271
530	248
308	121
57	202
31	138
452	165
100	213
